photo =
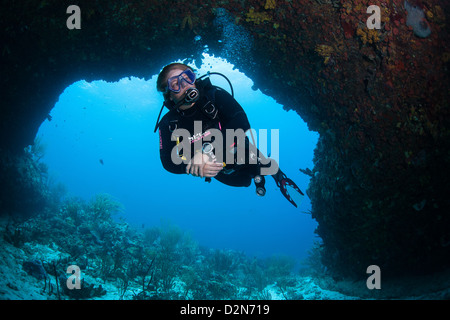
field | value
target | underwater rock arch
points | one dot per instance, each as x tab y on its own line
378	98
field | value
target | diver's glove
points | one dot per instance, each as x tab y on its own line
288	187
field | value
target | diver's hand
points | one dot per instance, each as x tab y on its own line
201	166
211	169
195	166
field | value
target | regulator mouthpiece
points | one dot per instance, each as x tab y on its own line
192	95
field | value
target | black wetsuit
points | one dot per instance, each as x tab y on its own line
230	116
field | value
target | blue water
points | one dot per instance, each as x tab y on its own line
114	122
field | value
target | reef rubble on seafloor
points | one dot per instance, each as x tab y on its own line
117	262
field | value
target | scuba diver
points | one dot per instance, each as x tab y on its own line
198	111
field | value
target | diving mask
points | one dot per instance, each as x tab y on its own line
174	83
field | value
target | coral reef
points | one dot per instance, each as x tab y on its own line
117	261
24	181
34	268
379	100
120	262
166	263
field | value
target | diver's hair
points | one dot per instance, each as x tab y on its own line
161	82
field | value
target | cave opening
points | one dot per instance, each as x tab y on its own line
378	98
100	140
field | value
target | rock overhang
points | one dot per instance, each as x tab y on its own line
378	98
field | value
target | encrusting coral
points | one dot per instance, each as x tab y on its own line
368	35
270	4
257	17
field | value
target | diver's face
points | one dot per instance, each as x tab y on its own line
177	96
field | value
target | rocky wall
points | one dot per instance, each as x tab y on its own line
378	98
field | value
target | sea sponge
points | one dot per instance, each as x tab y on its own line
324	51
270	4
416	20
257	17
368	35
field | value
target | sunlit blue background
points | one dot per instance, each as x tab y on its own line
114	122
